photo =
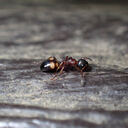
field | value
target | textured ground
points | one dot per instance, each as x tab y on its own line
29	33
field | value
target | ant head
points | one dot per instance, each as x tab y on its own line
82	63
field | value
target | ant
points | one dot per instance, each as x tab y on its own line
68	63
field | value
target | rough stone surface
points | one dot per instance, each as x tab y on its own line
30	33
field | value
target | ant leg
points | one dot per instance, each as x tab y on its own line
61	66
81	71
77	68
61	71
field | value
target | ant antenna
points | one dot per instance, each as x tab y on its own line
86	58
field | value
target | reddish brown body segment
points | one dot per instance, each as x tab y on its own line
68	63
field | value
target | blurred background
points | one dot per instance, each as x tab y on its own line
40	28
33	30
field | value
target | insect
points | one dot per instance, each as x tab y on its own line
68	63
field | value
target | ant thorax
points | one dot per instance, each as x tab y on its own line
70	62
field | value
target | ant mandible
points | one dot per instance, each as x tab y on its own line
68	63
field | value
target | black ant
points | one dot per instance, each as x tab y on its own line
53	65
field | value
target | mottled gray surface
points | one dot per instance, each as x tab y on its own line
35	117
31	33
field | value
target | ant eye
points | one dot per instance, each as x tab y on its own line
82	63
